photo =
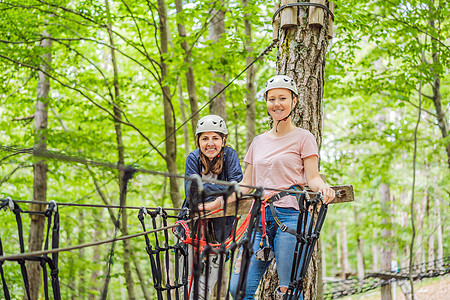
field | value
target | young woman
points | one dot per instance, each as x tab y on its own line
212	160
282	157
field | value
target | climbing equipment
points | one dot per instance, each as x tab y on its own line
308	233
211	123
51	213
281	81
179	251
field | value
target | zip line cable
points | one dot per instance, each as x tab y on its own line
263	53
91	205
76	159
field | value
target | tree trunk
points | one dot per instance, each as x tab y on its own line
190	79
344	262
375	251
142	279
386	253
216	31
82	256
360	249
320	270
187	148
97	256
250	89
440	244
121	161
421	252
169	116
39	169
436	86
269	283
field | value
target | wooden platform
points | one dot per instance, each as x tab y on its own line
344	194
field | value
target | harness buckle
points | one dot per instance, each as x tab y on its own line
283	227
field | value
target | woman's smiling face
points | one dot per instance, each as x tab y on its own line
279	103
210	143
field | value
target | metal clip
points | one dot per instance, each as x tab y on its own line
10	203
237	189
52	206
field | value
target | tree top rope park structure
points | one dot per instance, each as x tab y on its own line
306	238
169	262
307	235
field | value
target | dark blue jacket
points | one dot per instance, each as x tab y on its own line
231	171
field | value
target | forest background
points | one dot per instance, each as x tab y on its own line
111	81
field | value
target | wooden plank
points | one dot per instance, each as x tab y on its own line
288	15
330	20
316	14
345	195
276	24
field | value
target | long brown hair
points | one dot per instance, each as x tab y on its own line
215	165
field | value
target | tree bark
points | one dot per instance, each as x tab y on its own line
250	88
121	161
169	116
190	79
82	256
360	250
386	253
440	244
216	31
39	169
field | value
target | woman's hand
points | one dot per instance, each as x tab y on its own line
213	205
328	193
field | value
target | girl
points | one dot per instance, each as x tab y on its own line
212	160
283	157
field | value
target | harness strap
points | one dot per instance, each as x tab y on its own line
283	227
5	287
280	224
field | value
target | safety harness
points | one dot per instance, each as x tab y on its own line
265	253
306	233
51	211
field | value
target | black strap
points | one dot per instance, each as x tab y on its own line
306	240
277	197
247	244
155	257
5	287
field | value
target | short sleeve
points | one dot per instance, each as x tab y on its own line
249	156
309	146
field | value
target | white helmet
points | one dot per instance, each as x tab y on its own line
281	81
211	123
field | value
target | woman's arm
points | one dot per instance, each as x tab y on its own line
316	183
218	203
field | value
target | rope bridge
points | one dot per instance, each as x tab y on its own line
341	288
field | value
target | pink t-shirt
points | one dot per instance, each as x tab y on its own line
278	162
